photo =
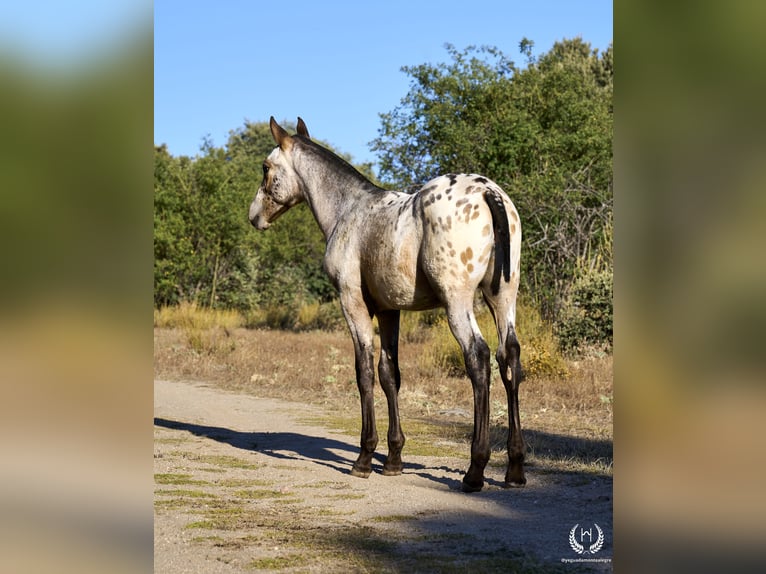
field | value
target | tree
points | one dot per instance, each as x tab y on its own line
198	230
543	133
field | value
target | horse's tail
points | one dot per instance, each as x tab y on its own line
502	238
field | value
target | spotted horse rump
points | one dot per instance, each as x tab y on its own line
389	251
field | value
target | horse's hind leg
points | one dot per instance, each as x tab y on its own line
503	306
510	371
462	322
390	381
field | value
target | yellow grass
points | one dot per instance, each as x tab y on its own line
190	316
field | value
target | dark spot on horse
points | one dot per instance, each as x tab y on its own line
460	202
481	180
438	196
513	228
452	178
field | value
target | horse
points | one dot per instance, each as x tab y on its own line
388	251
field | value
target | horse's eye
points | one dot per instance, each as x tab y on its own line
265	171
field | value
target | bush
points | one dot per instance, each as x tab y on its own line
587	313
298	316
540	355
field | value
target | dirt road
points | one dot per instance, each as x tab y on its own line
245	484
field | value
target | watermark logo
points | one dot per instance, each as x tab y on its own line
582	540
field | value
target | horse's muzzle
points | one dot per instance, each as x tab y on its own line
256	217
260	223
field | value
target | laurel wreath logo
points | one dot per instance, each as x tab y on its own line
593	548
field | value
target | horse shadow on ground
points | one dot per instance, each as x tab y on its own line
339	455
332	453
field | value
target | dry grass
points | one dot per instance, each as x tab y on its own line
564	410
190	316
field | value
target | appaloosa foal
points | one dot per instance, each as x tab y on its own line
388	251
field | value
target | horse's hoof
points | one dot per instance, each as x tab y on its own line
468	487
391	471
519	481
360	473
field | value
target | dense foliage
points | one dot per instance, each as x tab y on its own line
542	131
586	315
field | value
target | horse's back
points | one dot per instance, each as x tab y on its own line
416	251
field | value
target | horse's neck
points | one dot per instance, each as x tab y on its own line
328	194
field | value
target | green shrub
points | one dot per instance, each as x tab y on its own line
586	316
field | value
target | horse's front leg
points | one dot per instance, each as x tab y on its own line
360	324
390	380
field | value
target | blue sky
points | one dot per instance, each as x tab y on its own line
334	63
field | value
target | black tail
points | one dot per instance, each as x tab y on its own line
502	239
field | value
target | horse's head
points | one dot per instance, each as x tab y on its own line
280	189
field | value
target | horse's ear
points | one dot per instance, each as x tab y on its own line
302	129
281	137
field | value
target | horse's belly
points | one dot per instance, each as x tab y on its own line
400	284
417	300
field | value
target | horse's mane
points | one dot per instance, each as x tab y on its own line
310	147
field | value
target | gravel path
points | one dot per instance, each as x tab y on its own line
242	485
